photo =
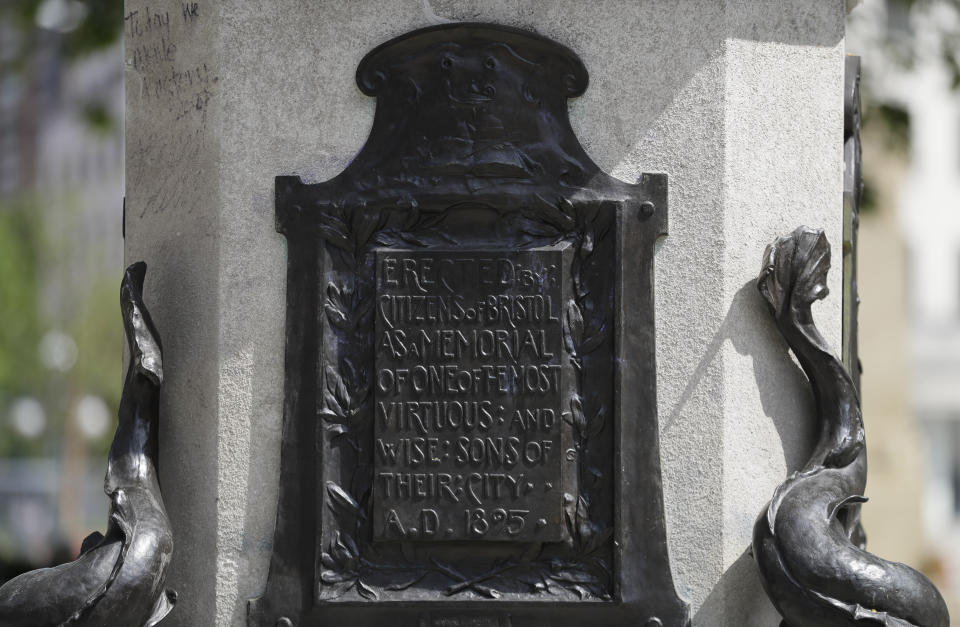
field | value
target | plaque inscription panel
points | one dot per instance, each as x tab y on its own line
470	432
469	386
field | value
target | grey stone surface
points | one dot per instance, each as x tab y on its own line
740	104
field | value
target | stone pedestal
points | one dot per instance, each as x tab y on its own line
740	103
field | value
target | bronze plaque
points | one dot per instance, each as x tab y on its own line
470	380
470	430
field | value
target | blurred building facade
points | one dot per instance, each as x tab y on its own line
910	281
61	140
61	157
25	99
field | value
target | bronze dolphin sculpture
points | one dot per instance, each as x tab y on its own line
808	541
118	579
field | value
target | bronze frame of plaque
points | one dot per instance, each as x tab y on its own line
472	150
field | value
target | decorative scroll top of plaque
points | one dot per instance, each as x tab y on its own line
469	113
487	105
470	409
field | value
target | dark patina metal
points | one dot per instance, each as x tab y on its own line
470	432
852	191
808	541
509	420
118	578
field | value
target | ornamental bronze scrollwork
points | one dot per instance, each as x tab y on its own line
808	541
118	579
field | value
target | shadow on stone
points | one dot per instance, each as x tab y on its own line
782	384
738	599
780	381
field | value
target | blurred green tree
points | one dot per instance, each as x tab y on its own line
70	29
20	371
100	24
